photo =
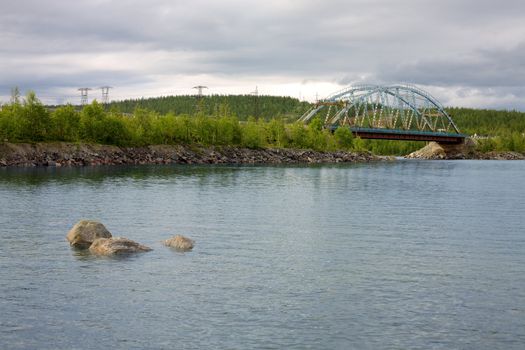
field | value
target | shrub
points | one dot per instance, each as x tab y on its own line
65	122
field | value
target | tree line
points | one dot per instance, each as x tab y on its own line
226	120
493	130
241	106
28	120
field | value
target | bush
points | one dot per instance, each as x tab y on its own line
10	122
276	133
344	138
253	134
92	120
228	131
297	134
65	122
35	121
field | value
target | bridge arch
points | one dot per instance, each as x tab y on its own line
391	107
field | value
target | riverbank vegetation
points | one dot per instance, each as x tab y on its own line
226	121
494	130
27	120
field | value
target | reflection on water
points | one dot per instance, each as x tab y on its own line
410	254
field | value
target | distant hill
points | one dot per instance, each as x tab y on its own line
241	106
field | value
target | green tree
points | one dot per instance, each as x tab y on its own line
36	121
359	144
92	120
344	138
276	131
114	132
65	123
11	121
228	131
298	135
253	135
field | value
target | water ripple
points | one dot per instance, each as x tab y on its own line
426	255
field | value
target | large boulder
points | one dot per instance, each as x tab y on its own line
180	242
116	245
85	232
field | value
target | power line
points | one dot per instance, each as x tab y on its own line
64	98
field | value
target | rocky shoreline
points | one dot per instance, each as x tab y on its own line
72	154
467	150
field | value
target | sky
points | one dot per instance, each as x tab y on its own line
467	53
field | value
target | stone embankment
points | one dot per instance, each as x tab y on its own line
70	154
466	150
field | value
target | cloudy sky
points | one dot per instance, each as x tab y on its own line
465	52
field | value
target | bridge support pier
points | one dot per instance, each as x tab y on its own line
435	150
460	150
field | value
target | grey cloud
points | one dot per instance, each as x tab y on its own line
436	43
483	68
93	79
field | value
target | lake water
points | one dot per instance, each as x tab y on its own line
399	255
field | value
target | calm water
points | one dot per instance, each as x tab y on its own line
404	255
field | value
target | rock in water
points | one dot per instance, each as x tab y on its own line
116	245
179	242
85	232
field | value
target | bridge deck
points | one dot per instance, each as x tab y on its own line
408	135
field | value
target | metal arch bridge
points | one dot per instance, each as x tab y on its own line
394	112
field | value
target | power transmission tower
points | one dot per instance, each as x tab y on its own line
105	94
199	105
84	95
199	89
256	103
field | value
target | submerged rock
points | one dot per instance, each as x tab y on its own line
180	242
116	245
85	232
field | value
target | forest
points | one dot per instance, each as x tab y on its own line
494	130
241	106
243	121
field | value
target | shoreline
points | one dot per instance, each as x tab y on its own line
467	150
57	154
